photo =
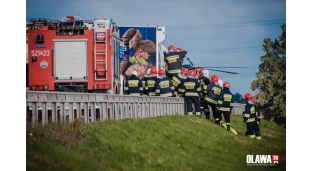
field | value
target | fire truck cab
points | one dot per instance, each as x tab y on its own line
73	55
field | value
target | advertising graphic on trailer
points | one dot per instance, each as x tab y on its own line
142	50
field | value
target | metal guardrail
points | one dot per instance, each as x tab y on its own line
44	107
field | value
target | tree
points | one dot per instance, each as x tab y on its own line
238	98
270	85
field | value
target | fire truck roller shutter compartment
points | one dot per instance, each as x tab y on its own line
70	59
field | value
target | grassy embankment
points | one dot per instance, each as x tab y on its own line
161	143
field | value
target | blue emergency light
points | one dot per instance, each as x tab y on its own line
40	39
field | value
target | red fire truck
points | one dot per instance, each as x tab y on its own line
73	55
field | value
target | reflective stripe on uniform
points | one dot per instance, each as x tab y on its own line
191	94
252	136
225	109
166	95
251	120
174	71
246	115
210	100
152	94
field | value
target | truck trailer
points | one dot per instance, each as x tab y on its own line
146	50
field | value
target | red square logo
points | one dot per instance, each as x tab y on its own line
275	158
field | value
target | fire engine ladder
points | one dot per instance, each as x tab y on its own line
100	57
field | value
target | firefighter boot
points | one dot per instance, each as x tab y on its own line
198	114
202	111
207	113
221	123
217	121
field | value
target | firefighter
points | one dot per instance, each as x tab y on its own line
213	92
249	116
164	86
178	78
191	90
258	119
225	105
147	75
204	81
174	60
151	82
133	85
201	75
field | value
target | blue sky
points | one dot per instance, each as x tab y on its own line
214	32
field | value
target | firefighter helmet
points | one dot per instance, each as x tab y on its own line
134	73
248	97
184	72
205	73
153	71
192	73
179	49
161	72
226	85
214	78
171	48
148	71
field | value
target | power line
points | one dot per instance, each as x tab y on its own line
255	2
244	22
238	48
222	26
228	51
239	75
221	50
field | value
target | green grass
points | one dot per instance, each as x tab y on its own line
160	143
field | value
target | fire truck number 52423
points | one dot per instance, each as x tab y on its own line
40	52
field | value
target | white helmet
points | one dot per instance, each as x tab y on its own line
220	83
205	73
134	73
148	71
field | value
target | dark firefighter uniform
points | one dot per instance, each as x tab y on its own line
225	104
212	92
177	79
191	90
204	82
144	85
257	122
164	87
133	86
151	86
249	116
174	62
